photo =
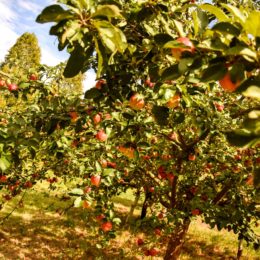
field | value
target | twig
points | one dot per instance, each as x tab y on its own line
15	208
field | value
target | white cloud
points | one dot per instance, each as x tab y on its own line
48	58
9	36
30	6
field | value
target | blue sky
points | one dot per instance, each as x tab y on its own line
17	17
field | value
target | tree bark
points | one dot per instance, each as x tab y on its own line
240	249
148	196
176	241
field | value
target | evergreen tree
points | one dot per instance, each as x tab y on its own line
23	57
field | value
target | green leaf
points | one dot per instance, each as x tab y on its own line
92	93
4	164
117	221
247	53
76	192
109	11
252	24
180	117
242	140
78	202
253	92
184	64
220	15
171	73
53	13
98	167
200	20
162	38
99	47
112	37
236	12
109	172
252	81
161	114
75	62
214	72
179	27
225	27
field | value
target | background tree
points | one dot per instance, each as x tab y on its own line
24	56
54	75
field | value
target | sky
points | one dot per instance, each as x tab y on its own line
18	17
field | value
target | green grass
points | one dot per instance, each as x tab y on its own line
43	229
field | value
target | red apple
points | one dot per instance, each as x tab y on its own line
100	217
12	87
95	180
140	241
170	177
195	212
162	173
3	178
85	204
192	157
158	231
2	83
136	102
151	189
227	84
103	163
174	101
87	189
28	184
219	107
176	52
100	83
111	164
107	226
153	252
33	77
74	116
97	119
238	157
101	136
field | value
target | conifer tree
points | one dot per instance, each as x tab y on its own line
23	57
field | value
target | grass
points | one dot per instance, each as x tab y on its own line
43	229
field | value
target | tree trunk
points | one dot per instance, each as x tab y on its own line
133	206
146	203
176	241
240	249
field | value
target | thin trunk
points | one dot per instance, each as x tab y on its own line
176	241
133	206
239	249
146	203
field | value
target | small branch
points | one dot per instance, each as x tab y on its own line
203	136
5	74
222	193
15	208
243	112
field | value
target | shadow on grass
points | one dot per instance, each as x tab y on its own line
38	231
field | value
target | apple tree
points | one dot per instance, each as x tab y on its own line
171	78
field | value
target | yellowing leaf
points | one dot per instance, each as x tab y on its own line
252	24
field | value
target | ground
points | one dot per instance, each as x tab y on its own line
44	227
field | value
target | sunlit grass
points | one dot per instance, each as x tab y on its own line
45	227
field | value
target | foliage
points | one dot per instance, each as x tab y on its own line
24	56
169	92
54	76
